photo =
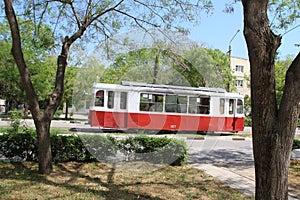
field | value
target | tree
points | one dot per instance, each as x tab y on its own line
41	66
90	72
158	64
212	64
70	79
273	125
73	19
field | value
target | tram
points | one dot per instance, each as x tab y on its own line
134	105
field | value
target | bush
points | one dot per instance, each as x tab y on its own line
23	146
86	148
15	116
296	144
19	146
98	147
155	150
248	121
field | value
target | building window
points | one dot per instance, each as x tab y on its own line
239	68
239	83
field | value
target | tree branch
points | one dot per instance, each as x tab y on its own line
137	20
289	105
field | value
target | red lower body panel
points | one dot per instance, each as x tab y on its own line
123	120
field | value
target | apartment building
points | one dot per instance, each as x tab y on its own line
240	68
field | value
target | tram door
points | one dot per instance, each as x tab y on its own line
232	112
123	115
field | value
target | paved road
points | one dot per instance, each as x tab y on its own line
230	160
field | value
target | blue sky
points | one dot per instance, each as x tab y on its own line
216	30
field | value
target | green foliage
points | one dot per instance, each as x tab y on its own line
68	148
248	121
58	113
19	146
296	144
89	73
247	105
218	73
98	146
281	67
195	67
15	117
155	150
36	42
285	13
86	148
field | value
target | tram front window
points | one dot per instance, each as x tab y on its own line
239	108
99	99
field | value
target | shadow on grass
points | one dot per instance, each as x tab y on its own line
75	182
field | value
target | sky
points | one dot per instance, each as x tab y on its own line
216	31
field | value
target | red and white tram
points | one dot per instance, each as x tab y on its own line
132	105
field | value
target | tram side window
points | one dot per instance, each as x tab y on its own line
193	105
182	104
204	105
199	105
171	103
99	99
222	106
110	99
151	102
239	108
231	106
123	101
176	103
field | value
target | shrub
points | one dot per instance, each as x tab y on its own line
58	113
155	150
15	116
99	147
19	146
248	121
23	146
296	144
85	148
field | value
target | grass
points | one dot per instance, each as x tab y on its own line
74	180
125	181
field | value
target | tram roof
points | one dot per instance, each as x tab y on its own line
204	89
145	87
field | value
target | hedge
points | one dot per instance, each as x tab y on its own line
155	150
87	148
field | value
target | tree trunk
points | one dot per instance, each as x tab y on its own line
67	111
44	146
272	128
156	65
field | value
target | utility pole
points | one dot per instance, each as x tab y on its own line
229	54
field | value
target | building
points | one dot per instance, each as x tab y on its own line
240	68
